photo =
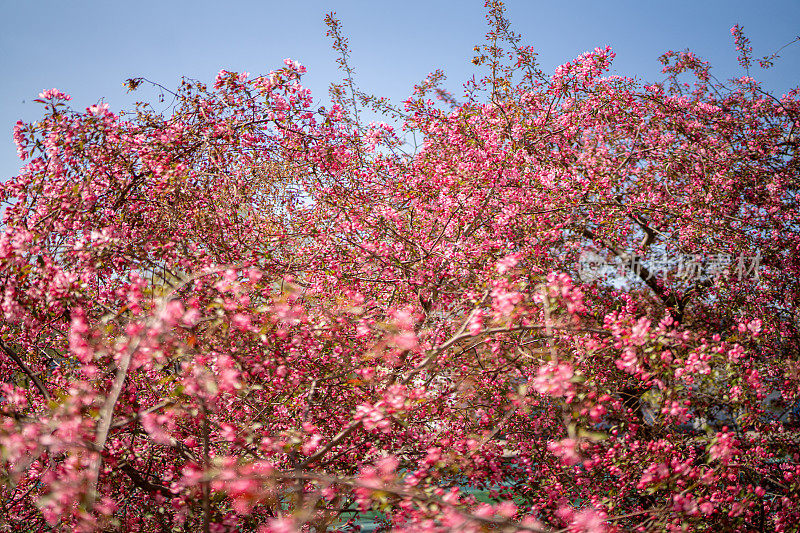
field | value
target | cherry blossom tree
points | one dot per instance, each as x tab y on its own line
248	314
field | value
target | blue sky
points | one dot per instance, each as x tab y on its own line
89	47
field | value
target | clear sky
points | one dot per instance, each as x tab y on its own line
89	47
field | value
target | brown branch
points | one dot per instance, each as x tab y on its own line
20	363
334	441
461	335
144	484
123	195
510	413
126	421
105	416
669	299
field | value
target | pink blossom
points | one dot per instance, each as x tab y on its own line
372	418
475	323
554	379
639	331
20	141
280	525
158	426
78	343
406	340
505	301
54	94
566	450
241	321
724	447
507	263
98	110
172	313
589	521
227	374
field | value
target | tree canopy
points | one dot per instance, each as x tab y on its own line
245	313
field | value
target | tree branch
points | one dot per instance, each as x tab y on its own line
20	363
